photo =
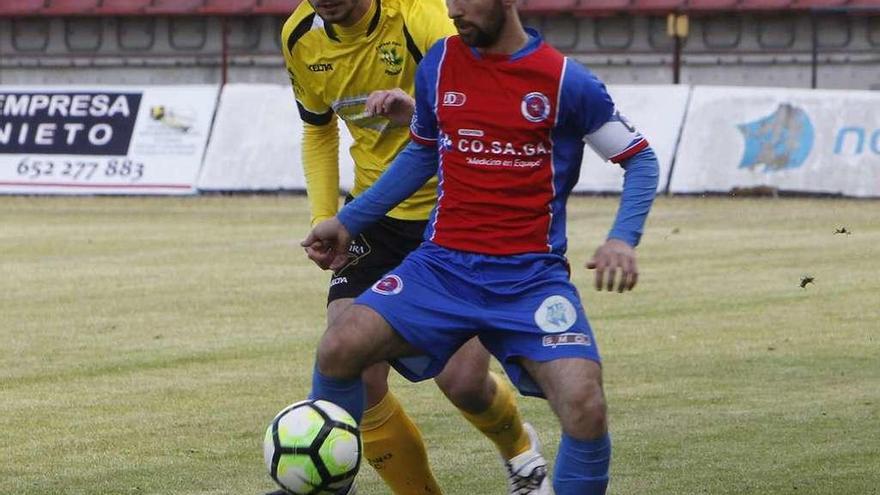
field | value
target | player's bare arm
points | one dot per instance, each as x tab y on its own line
615	260
394	104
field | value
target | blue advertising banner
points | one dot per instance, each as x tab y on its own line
67	123
104	140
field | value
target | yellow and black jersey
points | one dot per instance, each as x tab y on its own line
334	68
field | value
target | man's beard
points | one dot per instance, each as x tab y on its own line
481	37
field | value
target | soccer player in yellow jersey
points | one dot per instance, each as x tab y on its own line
338	53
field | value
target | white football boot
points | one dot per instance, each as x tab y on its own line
527	473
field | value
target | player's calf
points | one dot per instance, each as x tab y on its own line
375	379
489	404
573	386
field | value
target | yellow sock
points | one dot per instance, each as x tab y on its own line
502	422
393	446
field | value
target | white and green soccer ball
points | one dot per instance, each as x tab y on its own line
312	448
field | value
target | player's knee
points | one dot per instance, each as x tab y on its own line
465	380
583	412
470	393
337	356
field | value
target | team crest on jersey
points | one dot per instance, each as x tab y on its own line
555	314
393	60
535	107
389	285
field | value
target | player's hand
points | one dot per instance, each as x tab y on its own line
327	244
319	254
394	104
615	260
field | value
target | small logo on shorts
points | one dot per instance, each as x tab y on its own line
388	286
357	250
556	314
566	339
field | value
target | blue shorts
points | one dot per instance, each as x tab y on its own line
519	306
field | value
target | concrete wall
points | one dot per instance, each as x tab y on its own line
742	50
735	49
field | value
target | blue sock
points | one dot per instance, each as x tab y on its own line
582	466
347	394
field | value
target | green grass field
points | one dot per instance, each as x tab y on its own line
147	342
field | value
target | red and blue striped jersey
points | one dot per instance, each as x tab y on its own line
510	132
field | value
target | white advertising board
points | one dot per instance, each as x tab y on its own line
817	141
103	140
257	134
256	143
657	112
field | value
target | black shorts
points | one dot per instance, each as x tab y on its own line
373	254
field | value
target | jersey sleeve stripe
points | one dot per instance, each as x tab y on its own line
422	140
374	22
300	30
313	118
411	46
559	91
437	82
634	148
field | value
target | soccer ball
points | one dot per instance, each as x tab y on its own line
312	448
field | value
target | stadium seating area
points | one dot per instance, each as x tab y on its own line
282	7
775	43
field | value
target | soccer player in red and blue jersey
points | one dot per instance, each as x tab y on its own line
501	118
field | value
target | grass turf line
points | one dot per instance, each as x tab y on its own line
147	342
